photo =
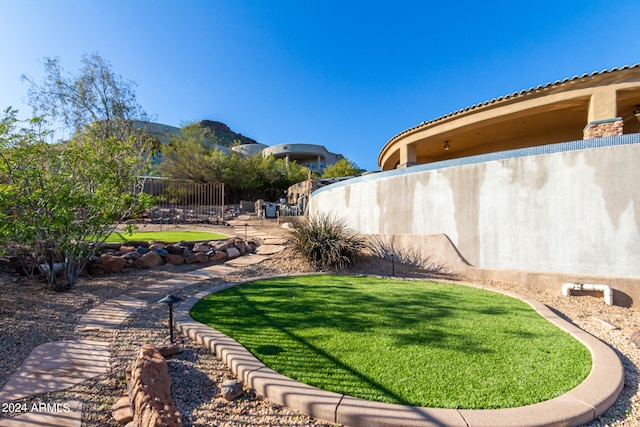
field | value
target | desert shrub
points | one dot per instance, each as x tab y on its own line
327	242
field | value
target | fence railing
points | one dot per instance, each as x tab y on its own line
179	202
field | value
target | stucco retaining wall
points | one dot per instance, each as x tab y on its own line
567	208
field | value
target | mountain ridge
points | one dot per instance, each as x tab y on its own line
221	134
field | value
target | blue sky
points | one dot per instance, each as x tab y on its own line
348	75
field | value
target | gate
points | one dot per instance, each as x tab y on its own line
180	201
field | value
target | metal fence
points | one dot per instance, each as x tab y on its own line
179	202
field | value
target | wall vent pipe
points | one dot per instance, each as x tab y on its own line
605	289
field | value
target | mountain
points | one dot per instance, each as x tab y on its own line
221	134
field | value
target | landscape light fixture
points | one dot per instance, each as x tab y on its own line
170	300
636	112
393	264
446	146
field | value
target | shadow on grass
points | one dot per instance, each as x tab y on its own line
280	326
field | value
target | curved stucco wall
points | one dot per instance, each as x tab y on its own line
575	211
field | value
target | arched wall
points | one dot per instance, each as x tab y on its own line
564	208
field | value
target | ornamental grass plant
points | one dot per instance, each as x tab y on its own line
327	242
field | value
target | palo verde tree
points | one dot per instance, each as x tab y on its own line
95	100
60	201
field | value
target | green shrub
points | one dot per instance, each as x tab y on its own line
327	242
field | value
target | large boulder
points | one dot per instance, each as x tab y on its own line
197	258
201	247
148	260
218	256
149	388
174	259
110	263
156	246
232	252
175	249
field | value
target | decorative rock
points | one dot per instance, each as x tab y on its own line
197	258
110	263
162	251
287	225
232	252
218	256
127	248
156	246
148	260
121	410
132	255
201	247
231	389
150	391
175	249
167	350
142	250
221	247
174	259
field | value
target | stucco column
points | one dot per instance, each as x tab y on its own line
287	158
318	158
408	156
603	117
603	104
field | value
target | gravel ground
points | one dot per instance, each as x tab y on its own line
31	315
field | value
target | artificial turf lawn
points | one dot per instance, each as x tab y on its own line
408	342
164	236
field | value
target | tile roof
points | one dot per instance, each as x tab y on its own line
513	95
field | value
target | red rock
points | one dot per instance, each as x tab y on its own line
174	259
110	263
150	391
167	350
148	260
219	256
197	258
121	410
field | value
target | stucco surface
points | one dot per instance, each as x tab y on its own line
574	212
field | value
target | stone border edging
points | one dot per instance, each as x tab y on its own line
582	404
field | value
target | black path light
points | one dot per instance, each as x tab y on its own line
170	300
393	264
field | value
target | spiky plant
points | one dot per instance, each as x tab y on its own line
327	242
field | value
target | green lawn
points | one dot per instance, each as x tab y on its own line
164	236
417	343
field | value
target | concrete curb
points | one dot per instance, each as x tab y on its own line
580	405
